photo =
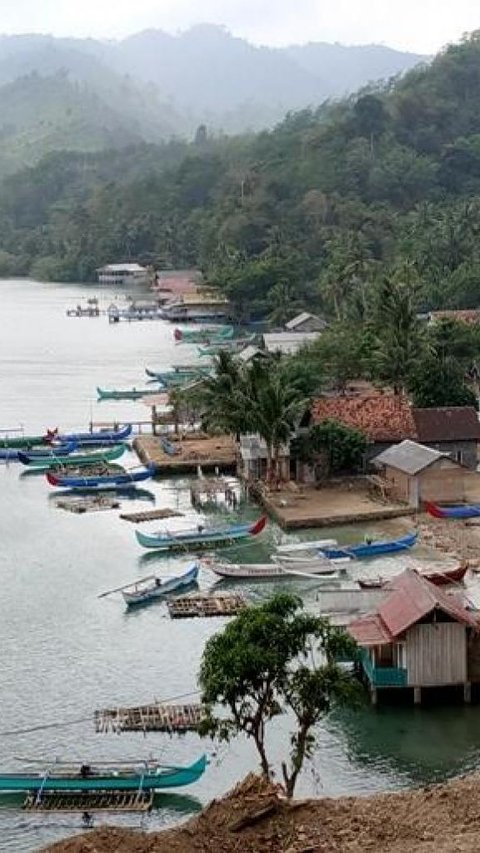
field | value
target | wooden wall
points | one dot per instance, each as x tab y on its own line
436	653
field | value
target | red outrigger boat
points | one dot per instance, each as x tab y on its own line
438	578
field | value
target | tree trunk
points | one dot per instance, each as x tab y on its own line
290	779
269	472
263	756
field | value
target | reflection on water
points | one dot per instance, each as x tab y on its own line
65	652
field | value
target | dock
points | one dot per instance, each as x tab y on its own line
156	717
150	515
208	490
210	452
187	606
295	506
97	503
89	802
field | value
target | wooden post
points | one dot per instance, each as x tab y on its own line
374	695
417	695
467	692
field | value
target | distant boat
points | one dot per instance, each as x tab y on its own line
438	578
266	571
125	478
22	441
147	776
141	593
189	371
232	346
50	451
207	334
200	538
80	459
126	394
370	549
43	454
465	511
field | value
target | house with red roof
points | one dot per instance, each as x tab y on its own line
419	637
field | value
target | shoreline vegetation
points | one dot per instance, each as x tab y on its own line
254	818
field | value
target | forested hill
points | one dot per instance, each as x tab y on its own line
312	213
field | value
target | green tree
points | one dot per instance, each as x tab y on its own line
400	342
339	447
270	660
440	381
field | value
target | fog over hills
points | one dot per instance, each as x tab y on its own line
85	94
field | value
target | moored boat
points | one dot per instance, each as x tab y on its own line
370	549
153	588
438	578
125	394
200	538
461	511
43	454
123	479
77	459
22	441
50	451
266	571
206	334
114	436
147	776
232	346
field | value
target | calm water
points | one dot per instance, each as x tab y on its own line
64	652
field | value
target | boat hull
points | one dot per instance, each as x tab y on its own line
114	436
173	777
467	511
370	550
272	571
24	441
128	394
110	481
200	541
81	459
154	592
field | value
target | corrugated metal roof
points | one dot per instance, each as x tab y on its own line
409	457
412	597
288	342
454	423
302	318
121	268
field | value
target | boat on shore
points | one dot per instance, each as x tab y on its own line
147	776
79	459
266	571
153	588
201	538
312	545
370	549
122	479
438	578
461	511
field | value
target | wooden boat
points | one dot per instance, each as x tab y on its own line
77	459
149	776
22	441
168	447
438	578
465	511
208	334
200	538
123	479
313	545
99	437
125	394
153	588
231	346
370	549
190	371
44	454
49	451
266	571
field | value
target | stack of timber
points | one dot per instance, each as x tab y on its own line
150	515
149	718
185	606
90	801
94	503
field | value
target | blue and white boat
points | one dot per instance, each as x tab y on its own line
370	549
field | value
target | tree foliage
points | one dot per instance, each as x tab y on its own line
270	660
340	448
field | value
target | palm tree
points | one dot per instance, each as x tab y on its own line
222	397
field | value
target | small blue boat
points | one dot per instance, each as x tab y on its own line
370	549
101	437
151	589
462	511
45	453
122	479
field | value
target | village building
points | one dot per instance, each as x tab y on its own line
288	343
306	322
471	317
419	637
454	430
414	473
122	274
253	459
198	306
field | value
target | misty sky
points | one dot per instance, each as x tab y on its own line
417	25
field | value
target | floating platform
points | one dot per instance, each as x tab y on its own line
89	802
186	606
150	515
149	718
210	452
98	503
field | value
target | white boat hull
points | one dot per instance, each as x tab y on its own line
241	571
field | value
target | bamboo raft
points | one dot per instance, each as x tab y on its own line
150	515
149	718
90	801
185	606
99	503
